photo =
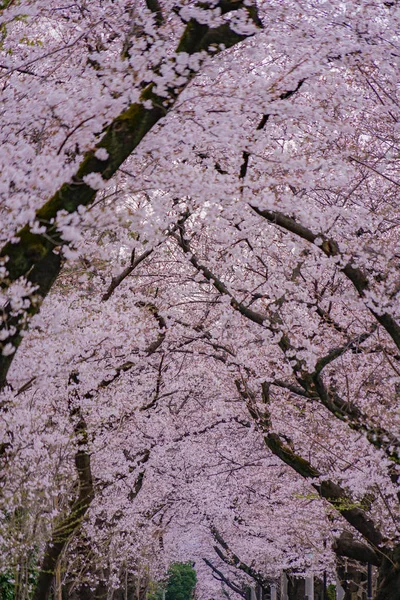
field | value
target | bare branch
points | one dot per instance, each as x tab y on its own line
116	281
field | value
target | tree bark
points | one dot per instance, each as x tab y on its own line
388	585
67	525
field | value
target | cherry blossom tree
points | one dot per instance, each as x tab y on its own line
205	196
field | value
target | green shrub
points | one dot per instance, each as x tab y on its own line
181	581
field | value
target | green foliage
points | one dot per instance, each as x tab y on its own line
181	581
331	592
29	42
24	578
6	586
155	591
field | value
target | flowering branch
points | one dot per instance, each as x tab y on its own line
36	257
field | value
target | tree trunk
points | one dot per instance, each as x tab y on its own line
296	588
66	526
353	578
388	587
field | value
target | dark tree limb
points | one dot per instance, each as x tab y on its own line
331	249
221	577
341	350
155	7
346	545
263	121
312	384
326	489
231	559
118	279
253	316
135	262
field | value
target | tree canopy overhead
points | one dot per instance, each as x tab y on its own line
200	336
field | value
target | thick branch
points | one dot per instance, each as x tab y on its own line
33	255
263	121
231	559
118	279
327	489
221	577
217	282
348	412
337	352
155	7
346	545
298	391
